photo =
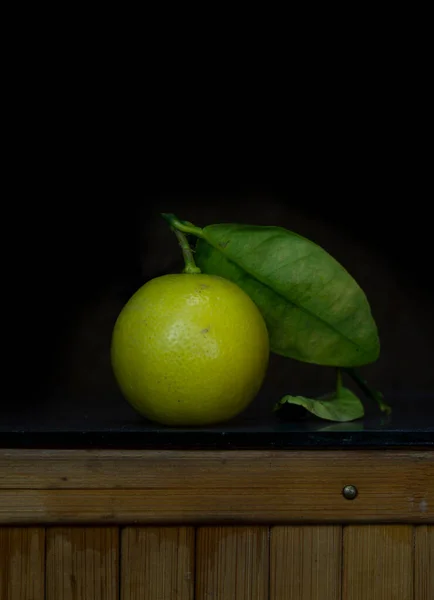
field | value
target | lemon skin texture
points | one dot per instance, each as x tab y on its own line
189	350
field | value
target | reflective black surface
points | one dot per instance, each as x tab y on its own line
71	423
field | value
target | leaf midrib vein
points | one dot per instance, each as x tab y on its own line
301	308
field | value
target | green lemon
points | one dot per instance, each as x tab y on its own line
190	349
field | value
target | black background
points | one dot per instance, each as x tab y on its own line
103	140
83	231
89	252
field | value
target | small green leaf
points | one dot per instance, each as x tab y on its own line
345	427
314	310
347	407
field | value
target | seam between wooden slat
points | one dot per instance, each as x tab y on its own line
45	561
413	559
269	561
119	562
343	526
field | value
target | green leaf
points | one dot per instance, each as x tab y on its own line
346	407
345	427
314	310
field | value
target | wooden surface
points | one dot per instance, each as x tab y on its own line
158	563
251	487
232	562
296	562
424	563
130	469
306	563
22	563
378	562
82	563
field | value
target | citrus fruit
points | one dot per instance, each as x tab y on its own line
189	349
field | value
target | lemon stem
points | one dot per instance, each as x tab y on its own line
183	226
190	265
373	394
180	228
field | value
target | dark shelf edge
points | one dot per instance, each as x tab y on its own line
215	440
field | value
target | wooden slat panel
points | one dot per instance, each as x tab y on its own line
22	563
306	563
157	563
232	562
424	563
254	506
378	562
83	563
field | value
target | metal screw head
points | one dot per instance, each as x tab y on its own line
350	492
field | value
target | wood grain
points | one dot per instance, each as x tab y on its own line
206	506
305	563
266	486
232	562
424	563
158	563
82	563
169	487
384	472
378	562
22	563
